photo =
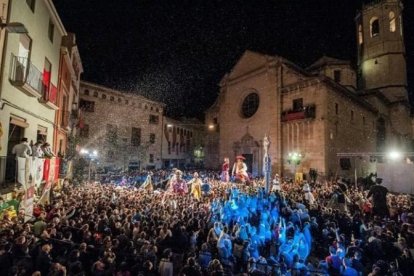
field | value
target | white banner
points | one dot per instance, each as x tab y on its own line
23	170
38	165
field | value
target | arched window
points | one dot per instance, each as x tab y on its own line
374	26
86	92
360	35
393	23
103	96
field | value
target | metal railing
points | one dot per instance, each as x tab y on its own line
298	114
22	71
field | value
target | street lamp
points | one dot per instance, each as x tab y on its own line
90	155
294	159
394	155
14	27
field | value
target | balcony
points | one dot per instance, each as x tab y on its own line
26	76
49	97
307	112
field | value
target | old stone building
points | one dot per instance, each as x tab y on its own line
313	114
124	128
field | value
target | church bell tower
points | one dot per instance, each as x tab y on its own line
381	50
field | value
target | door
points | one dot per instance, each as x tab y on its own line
15	135
249	162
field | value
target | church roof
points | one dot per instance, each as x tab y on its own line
325	60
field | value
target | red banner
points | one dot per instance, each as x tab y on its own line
52	94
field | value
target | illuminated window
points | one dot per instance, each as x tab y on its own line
250	105
393	22
374	27
360	35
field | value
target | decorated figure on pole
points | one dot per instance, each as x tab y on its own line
267	162
239	171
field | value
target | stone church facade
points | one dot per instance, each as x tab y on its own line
314	115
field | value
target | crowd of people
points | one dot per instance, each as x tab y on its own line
198	224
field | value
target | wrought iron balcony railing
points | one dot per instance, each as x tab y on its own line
24	74
305	112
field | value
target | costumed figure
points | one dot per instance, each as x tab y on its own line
240	170
196	186
179	184
147	185
172	177
225	170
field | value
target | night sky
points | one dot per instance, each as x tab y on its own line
177	51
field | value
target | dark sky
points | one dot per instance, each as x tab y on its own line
176	51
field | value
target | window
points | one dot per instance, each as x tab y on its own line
111	134
84	131
336	108
135	137
104	96
47	71
95	94
112	98
151	158
119	100
51	30
153	119
374	26
152	138
41	134
401	25
109	154
250	105
337	76
360	35
31	4
297	104
393	25
86	92
88	106
363	120
352	115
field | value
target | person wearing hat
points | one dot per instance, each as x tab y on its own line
379	199
240	170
